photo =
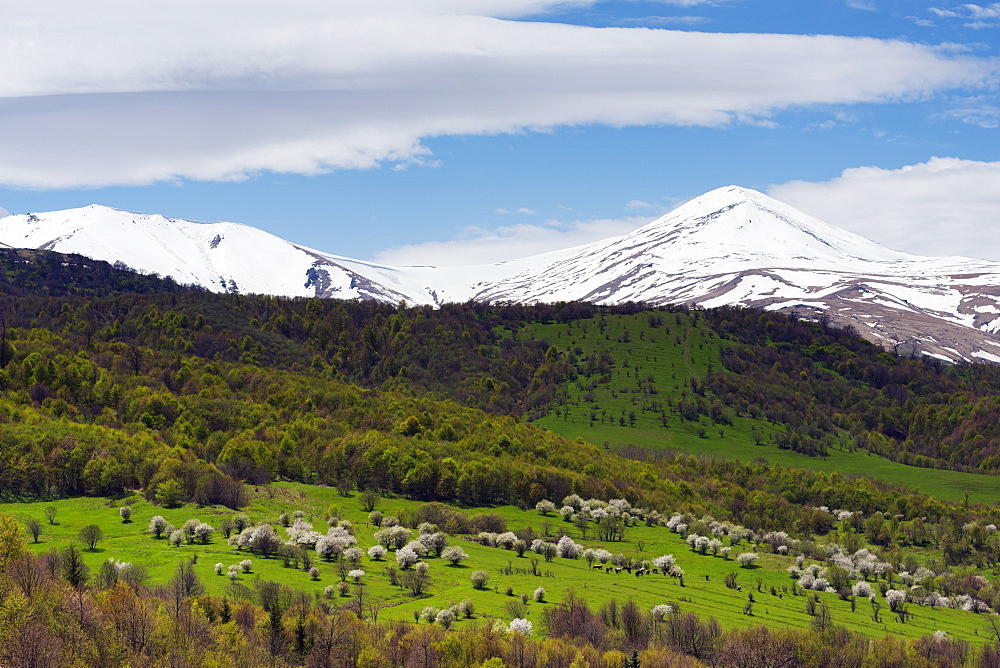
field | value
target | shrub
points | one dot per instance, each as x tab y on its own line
862	589
479	579
219	568
545	507
454	554
377	552
747	559
466	608
539	595
662	610
522	626
90	534
406	557
246	565
314	572
202	532
567	548
125	512
159	526
445	618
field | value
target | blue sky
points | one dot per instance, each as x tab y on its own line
454	131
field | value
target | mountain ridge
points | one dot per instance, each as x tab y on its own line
731	245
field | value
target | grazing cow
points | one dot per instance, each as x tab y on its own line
597	566
618	571
609	569
655	571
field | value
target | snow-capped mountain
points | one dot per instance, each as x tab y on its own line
729	246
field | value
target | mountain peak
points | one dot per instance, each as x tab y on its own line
745	225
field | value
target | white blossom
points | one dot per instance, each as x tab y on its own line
568	549
521	625
862	589
661	610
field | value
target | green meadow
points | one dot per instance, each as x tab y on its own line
766	587
666	359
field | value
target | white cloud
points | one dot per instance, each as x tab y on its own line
4	212
120	92
866	5
977	112
975	16
651	207
988	12
479	245
945	206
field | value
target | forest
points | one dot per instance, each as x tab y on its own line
118	385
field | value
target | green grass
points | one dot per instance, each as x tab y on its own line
669	357
706	596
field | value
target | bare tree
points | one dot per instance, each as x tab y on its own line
34	528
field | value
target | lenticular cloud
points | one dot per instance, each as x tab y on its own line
124	93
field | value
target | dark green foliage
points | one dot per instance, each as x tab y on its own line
90	535
73	569
817	380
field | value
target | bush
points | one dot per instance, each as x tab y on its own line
480	579
157	526
445	618
466	608
406	557
539	595
522	626
545	507
454	554
125	512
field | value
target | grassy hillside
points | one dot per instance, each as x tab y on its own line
775	601
639	372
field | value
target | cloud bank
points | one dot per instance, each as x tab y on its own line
945	206
117	92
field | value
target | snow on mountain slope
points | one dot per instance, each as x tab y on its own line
729	246
737	246
222	257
